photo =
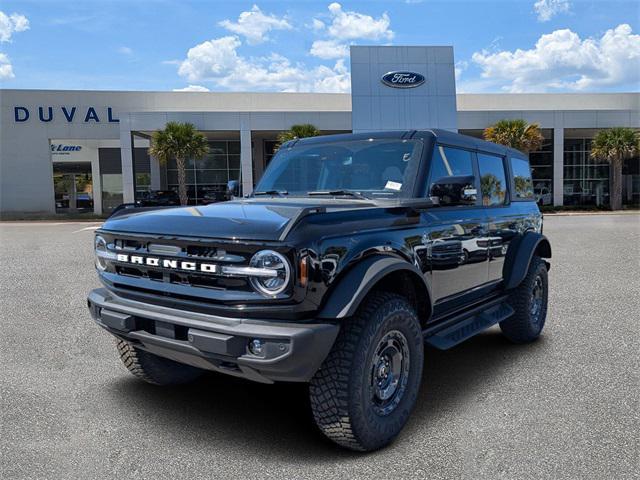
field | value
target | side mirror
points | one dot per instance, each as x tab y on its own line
233	188
458	190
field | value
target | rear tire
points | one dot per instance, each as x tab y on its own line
154	369
529	301
363	393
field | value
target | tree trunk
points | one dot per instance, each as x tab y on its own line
182	181
616	184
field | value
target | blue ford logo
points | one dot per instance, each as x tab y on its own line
402	79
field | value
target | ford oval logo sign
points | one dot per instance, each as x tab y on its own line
403	79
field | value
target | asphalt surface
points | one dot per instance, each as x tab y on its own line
566	406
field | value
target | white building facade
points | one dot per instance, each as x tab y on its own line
86	151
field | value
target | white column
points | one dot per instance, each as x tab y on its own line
258	152
246	161
126	157
155	173
558	166
96	182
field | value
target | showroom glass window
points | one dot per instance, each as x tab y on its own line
449	161
541	162
493	180
522	182
586	180
142	169
207	177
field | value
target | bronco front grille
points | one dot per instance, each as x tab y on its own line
128	258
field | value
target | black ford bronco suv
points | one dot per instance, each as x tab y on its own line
351	254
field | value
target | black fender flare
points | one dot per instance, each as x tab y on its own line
521	251
345	297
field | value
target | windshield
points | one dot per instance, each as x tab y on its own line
373	167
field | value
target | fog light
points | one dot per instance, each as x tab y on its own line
256	347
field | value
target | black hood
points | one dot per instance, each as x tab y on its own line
249	219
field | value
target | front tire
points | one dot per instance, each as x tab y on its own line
154	369
363	393
529	301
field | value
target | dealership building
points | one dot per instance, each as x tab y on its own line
78	151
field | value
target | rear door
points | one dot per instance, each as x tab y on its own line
510	205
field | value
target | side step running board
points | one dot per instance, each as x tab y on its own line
456	330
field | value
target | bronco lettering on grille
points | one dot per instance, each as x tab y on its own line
168	263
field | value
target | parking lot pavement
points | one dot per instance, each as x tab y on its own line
564	407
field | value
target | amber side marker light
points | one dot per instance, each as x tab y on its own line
304	271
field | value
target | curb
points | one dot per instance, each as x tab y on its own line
570	214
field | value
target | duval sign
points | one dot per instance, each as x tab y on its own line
68	114
403	79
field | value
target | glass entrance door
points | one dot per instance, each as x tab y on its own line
73	187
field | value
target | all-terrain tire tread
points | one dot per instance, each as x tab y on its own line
329	388
153	369
518	328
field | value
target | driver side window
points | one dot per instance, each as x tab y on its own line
449	162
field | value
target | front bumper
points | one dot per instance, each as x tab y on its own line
292	351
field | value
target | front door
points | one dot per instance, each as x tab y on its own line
457	251
455	238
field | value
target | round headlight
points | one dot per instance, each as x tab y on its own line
100	245
277	281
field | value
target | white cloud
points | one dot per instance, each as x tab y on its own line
328	49
561	60
192	88
332	80
347	25
547	9
210	59
6	70
9	24
125	51
218	61
254	25
344	27
317	24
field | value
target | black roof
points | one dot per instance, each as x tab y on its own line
445	137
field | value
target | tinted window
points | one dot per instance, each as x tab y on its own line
448	162
377	167
523	184
493	182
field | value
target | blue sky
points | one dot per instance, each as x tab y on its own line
500	46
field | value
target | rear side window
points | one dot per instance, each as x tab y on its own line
522	181
449	162
493	181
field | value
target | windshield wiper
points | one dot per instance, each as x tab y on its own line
280	193
339	192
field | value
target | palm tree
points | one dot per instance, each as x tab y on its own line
298	131
615	145
180	141
490	186
518	134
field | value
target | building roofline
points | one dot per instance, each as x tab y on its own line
341	102
547	101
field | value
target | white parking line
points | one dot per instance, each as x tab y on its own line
95	227
38	223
